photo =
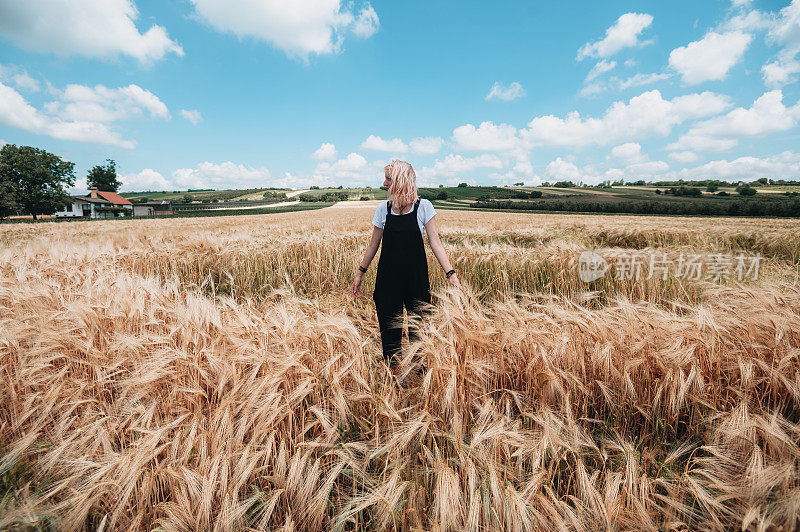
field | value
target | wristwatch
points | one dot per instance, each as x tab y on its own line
448	274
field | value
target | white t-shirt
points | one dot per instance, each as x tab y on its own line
425	212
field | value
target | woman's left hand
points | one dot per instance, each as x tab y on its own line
453	280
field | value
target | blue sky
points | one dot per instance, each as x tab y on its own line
250	93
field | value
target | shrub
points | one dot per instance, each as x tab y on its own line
536	194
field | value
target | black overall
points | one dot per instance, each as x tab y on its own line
402	278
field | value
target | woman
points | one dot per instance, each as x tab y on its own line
402	278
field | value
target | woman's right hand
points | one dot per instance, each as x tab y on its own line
356	287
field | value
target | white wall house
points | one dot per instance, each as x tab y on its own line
98	204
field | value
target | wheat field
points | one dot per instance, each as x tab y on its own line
216	374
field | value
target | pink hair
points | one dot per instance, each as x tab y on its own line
403	187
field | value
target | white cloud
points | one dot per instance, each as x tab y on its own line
615	83
711	57
646	169
367	22
630	153
782	70
452	168
192	115
486	137
220	176
19	77
684	157
16	112
600	68
623	34
785	31
563	170
768	114
103	104
93	28
353	169
643	115
147	179
326	152
376	143
299	27
426	145
785	165
512	92
638	80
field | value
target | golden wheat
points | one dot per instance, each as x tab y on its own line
214	374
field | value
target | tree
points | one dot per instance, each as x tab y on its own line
8	199
35	179
462	185
746	190
188	198
712	187
104	177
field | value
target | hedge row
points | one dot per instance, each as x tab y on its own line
761	207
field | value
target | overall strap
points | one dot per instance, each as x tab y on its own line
388	210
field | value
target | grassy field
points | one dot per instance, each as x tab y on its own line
215	373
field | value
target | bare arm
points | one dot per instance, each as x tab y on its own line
372	248
439	251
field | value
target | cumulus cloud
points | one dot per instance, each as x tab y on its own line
623	34
711	57
147	179
326	152
192	115
16	112
784	31
92	28
222	175
684	157
376	143
452	168
511	92
642	116
299	28
426	145
600	68
19	77
103	104
767	115
353	169
563	170
630	152
785	165
486	137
